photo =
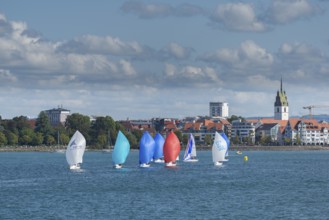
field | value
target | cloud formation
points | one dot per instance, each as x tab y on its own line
284	11
234	52
237	17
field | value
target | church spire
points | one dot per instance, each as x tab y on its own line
281	84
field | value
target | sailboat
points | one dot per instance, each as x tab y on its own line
146	149
219	149
228	145
158	151
171	149
120	151
75	150
190	151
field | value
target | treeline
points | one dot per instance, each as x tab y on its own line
99	134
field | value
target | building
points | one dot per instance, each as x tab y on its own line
57	116
307	132
218	109
206	127
270	131
281	108
243	130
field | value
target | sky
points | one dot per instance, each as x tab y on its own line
144	59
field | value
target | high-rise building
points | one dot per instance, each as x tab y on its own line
218	109
281	108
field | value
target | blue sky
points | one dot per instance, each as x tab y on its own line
144	59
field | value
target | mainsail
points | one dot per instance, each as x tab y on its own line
190	151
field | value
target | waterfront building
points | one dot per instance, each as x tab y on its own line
281	108
206	127
57	115
270	130
243	130
218	109
307	132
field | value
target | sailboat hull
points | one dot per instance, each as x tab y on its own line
191	160
171	164
75	167
117	166
144	165
159	160
217	164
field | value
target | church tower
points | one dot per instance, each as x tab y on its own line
281	108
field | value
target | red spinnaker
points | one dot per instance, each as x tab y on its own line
171	148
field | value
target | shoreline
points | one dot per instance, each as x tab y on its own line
232	148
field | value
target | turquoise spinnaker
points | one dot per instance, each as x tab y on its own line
121	149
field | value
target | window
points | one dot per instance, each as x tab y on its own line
277	109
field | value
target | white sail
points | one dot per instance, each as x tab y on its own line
75	149
193	152
219	148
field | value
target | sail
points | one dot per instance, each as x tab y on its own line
121	149
171	148
75	149
146	148
227	141
159	142
190	150
219	148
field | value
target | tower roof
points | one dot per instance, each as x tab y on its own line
281	97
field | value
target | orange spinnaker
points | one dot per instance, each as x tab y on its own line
171	148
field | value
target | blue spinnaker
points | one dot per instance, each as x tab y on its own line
121	149
146	148
159	142
227	141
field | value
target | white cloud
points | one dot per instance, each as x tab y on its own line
284	11
249	54
127	68
102	45
237	17
301	53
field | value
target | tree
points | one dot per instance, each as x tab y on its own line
132	140
234	117
12	138
179	135
185	139
207	139
78	122
3	139
37	139
236	140
49	140
42	124
104	126
26	136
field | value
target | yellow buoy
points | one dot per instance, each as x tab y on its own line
245	158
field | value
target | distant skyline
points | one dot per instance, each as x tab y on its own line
144	59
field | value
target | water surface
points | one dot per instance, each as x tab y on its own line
271	185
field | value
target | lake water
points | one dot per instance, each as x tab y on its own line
271	185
